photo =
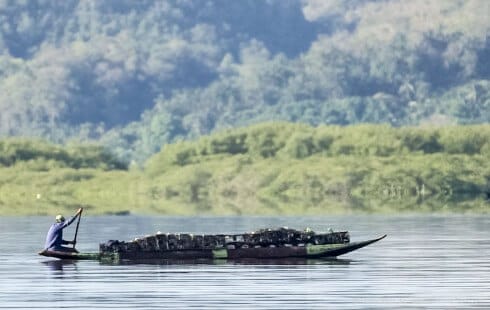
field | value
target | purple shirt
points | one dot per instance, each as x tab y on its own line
54	238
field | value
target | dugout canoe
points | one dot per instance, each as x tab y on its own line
70	255
265	244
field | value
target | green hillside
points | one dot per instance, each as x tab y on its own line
136	75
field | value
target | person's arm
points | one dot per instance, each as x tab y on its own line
67	223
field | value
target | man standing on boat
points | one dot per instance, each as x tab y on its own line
54	238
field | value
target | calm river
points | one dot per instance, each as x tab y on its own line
433	262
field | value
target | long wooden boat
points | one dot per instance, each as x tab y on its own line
265	244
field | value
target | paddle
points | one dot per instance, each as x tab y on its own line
76	230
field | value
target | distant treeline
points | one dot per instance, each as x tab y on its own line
297	141
44	155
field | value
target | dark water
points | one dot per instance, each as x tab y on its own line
425	262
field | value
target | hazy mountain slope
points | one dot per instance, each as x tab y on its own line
140	74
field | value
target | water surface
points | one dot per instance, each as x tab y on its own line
425	262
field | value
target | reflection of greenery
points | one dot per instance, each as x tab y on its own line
272	168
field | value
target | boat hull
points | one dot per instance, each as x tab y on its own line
70	255
305	252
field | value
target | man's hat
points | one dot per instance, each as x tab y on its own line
60	218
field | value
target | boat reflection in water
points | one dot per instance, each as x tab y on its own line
60	264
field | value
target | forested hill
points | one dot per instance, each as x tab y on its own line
137	74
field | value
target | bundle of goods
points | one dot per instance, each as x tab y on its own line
282	237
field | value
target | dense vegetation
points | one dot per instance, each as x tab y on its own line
136	75
39	155
271	168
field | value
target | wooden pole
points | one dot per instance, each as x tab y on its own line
76	230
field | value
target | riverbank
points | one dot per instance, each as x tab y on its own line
423	183
272	169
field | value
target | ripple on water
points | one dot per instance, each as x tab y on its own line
438	262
